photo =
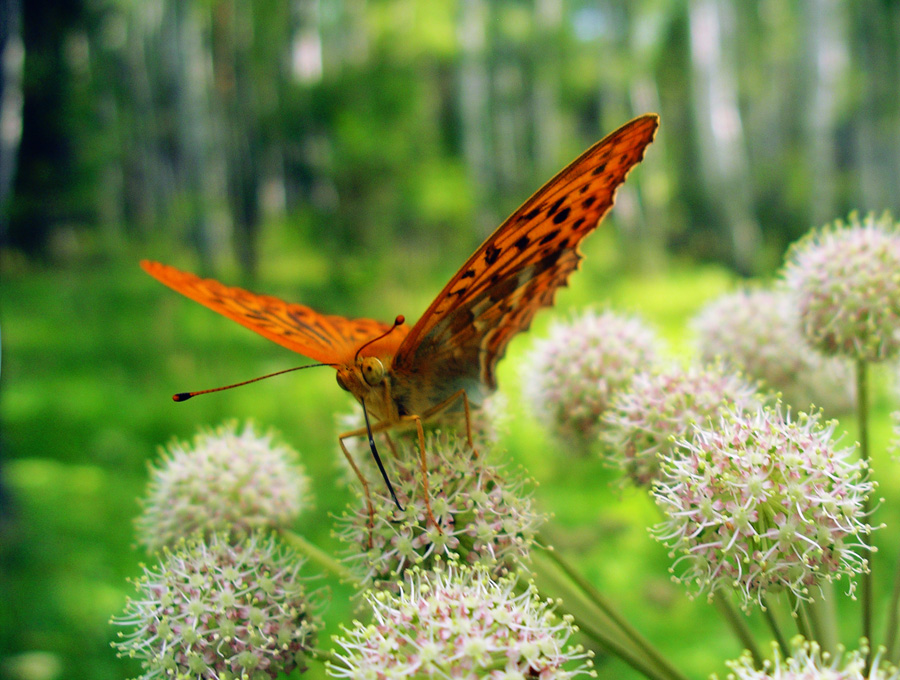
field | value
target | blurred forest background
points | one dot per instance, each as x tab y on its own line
366	124
350	154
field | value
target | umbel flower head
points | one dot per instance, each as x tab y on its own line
220	609
571	376
660	406
484	516
763	502
846	280
757	331
227	480
459	622
809	662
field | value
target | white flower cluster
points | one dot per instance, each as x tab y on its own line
227	480
459	622
762	502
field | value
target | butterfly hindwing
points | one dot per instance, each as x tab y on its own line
518	269
321	337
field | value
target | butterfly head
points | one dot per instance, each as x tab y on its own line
366	377
361	376
368	381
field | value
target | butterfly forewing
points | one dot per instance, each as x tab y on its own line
325	338
517	271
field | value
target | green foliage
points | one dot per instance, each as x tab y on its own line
91	356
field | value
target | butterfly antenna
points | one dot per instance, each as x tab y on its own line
399	321
184	396
375	450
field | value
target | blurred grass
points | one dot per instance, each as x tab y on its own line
93	353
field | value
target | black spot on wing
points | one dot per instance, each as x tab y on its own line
561	216
600	168
522	243
468	274
530	215
555	206
549	236
588	202
577	223
491	254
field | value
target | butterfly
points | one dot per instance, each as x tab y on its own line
402	374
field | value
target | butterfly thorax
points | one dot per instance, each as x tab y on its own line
385	399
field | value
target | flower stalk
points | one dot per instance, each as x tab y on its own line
862	415
775	627
738	625
639	648
893	621
318	556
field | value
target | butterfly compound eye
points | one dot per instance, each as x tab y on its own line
372	370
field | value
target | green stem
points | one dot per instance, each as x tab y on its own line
799	614
622	651
595	626
774	626
823	618
739	627
317	555
893	618
862	415
811	621
598	600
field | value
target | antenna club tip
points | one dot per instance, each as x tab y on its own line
400	320
182	396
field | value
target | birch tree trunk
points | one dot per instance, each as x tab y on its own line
199	171
233	35
724	162
827	61
474	105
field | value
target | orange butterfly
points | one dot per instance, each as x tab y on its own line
402	374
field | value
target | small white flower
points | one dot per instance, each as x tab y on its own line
757	331
846	280
809	662
660	406
459	622
484	516
764	502
226	480
570	377
210	609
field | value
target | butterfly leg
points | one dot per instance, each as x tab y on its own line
424	466
465	399
362	479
